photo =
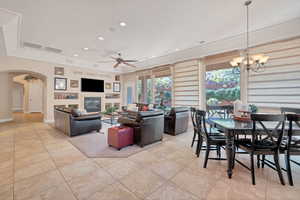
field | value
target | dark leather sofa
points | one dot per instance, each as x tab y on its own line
148	125
176	121
139	106
76	125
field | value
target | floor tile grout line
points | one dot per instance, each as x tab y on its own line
165	180
117	180
14	150
57	168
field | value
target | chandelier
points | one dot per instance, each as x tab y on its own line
252	62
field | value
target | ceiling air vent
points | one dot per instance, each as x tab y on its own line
32	45
69	61
53	50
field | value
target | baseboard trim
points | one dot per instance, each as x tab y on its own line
48	121
6	120
17	109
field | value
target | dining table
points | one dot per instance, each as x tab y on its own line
231	128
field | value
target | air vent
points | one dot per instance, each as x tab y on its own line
53	50
69	61
32	45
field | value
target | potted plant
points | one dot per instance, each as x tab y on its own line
253	108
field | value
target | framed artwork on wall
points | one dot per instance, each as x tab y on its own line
74	83
59	71
108	86
60	83
116	87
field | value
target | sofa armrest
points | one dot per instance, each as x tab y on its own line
88	117
128	121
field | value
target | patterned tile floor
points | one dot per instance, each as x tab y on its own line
37	162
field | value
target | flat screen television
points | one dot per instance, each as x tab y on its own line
92	85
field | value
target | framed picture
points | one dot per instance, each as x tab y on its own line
116	87
108	86
60	83
59	71
74	83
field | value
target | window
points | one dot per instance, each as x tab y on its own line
149	91
163	91
139	90
144	90
222	86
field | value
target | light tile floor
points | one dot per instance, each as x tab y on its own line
37	162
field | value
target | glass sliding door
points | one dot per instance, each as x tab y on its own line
163	91
149	91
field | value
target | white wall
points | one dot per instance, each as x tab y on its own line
5	97
18	97
14	64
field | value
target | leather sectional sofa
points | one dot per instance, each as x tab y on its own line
176	121
148	125
76	125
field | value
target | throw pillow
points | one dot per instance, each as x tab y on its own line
145	108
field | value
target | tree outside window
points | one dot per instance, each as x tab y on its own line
222	86
163	91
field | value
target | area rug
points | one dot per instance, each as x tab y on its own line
94	145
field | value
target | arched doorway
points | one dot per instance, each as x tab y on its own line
25	96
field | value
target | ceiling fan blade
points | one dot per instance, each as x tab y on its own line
130	60
106	61
125	63
116	65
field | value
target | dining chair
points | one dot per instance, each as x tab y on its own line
213	142
193	117
212	131
264	141
292	145
287	110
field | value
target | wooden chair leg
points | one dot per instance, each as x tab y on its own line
206	155
288	169
258	161
194	137
252	168
199	146
218	151
276	160
233	160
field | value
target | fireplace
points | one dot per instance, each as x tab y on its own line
92	104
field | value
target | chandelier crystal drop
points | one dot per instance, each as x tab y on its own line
256	62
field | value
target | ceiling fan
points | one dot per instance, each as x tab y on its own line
120	60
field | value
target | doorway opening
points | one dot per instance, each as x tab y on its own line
28	92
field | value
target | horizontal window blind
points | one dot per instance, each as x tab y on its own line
186	83
220	61
161	71
279	84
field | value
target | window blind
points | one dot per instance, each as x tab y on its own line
279	85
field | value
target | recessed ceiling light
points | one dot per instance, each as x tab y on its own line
123	24
85	48
100	38
176	49
75	55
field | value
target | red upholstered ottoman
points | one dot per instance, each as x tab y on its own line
120	137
